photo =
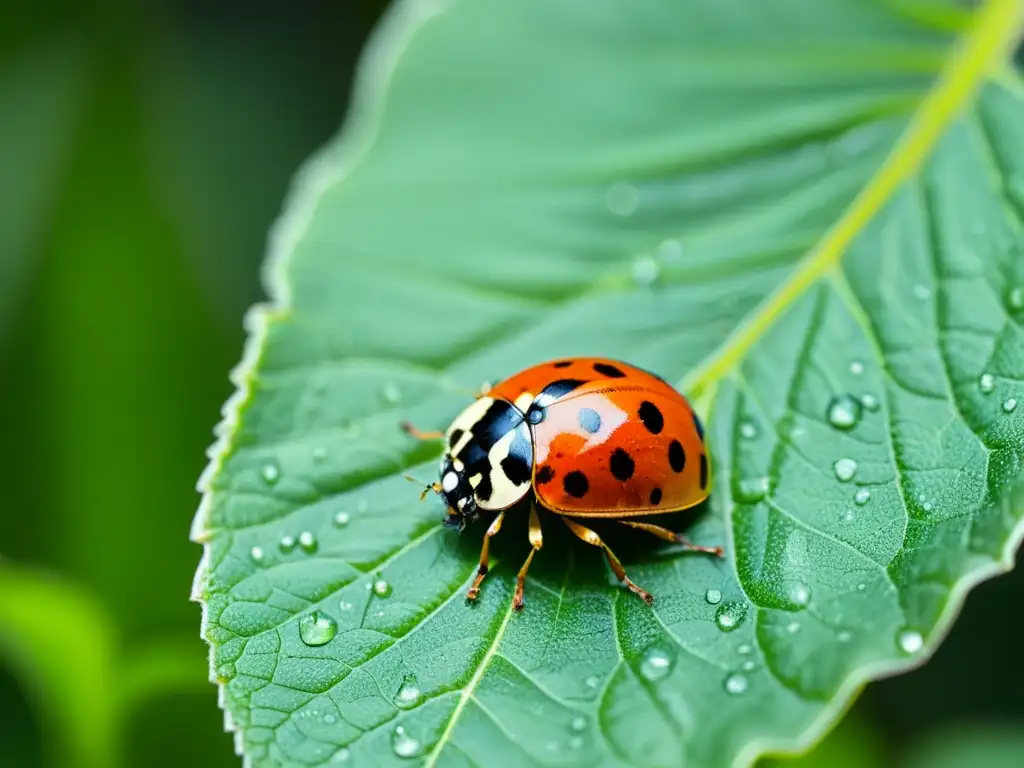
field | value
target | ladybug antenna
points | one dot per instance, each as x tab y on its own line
435	487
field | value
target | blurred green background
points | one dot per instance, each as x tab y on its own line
145	149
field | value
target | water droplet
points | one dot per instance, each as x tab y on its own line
922	292
576	742
381	588
287	543
870	402
256	553
862	586
748	666
986	383
844	636
592	682
800	594
927	506
319	454
1010	404
307	541
730	615
736	683
656	664
317	628
847	516
408	695
270	473
403	744
844	411
330	719
910	641
391	393
744	649
645	270
793	627
341	756
345	606
578	724
1015	298
713	596
862	497
670	251
856	367
748	430
341	519
752	489
621	198
845	469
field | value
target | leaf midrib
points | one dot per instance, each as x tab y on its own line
983	49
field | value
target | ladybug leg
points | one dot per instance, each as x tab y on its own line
594	540
536	541
412	431
481	570
675	538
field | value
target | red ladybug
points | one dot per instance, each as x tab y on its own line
590	437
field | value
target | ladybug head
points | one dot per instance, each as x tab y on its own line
457	493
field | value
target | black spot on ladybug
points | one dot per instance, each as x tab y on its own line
536	414
697	425
545	475
516	469
608	370
622	465
676	456
557	389
455	437
703	471
656	497
575	484
563	364
651	417
484	490
589	419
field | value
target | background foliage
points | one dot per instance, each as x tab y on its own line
145	150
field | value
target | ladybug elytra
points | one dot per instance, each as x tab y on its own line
590	438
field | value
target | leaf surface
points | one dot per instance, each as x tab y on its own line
809	218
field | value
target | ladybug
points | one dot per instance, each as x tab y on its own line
588	438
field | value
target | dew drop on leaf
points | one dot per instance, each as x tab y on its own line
922	292
391	394
308	541
856	367
847	516
345	605
270	473
319	454
730	615
800	594
670	252
341	519
621	198
256	553
287	543
713	596
1015	298
910	641
844	636
341	756
408	695
862	497
744	649
748	666
870	402
330	719
317	628
736	683
645	270
381	588
752	489
987	383
844	411
578	724
405	745
656	664
748	430
592	682
576	742
1010	404
845	469
793	627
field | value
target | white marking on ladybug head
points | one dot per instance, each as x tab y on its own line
449	482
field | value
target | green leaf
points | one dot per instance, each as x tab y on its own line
791	211
992	745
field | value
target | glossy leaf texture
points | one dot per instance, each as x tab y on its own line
809	216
